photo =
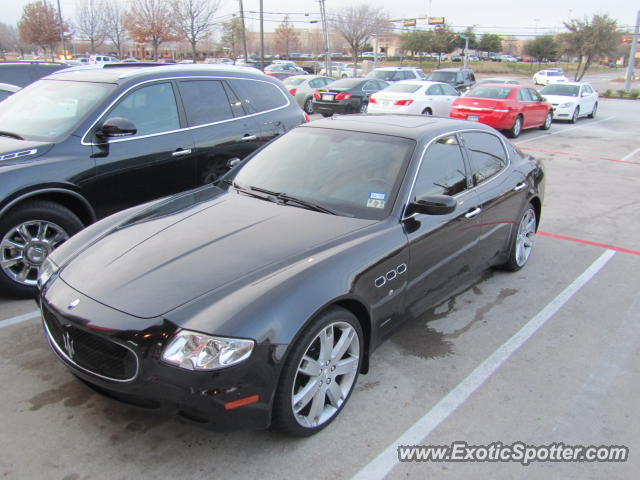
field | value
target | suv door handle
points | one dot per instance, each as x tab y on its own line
520	186
248	138
473	212
180	152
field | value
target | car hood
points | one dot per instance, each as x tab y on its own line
558	99
13	151
148	266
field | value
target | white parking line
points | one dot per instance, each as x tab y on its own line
563	130
19	319
382	465
627	157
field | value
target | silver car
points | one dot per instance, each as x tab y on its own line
303	86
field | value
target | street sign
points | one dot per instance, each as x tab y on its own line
436	20
410	22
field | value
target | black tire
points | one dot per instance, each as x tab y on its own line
547	122
576	114
308	106
427	112
325	115
284	418
514	131
594	111
35	210
364	106
513	264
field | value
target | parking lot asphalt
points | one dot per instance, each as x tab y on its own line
547	354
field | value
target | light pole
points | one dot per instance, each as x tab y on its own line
244	33
632	54
64	48
325	30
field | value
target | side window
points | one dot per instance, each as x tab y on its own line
316	83
535	96
486	154
152	109
434	90
442	171
524	96
449	90
205	101
259	96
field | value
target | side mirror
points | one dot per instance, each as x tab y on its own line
433	205
116	127
232	162
544	99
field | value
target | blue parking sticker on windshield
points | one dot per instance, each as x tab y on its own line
376	200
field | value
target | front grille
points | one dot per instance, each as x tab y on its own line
91	352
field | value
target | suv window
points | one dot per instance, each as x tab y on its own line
442	171
486	153
205	101
152	109
258	96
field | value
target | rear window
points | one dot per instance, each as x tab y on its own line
402	88
490	92
293	81
442	76
259	96
346	83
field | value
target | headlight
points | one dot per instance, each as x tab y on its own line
565	105
197	351
46	271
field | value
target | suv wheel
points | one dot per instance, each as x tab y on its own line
27	235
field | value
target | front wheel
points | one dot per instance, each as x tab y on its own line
522	241
593	112
28	234
516	129
576	114
319	373
547	121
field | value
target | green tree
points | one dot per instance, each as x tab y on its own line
473	40
232	37
490	43
589	40
541	47
416	41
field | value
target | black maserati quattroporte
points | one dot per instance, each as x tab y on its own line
258	301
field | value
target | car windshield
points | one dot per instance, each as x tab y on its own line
559	89
442	76
354	174
293	81
402	88
382	74
49	110
551	73
490	92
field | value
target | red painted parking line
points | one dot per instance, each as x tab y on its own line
580	155
587	242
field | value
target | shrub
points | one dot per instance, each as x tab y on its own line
635	93
608	93
621	93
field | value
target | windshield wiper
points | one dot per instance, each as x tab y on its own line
282	197
11	134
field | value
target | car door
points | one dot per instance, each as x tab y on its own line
539	105
154	162
442	248
218	124
502	191
434	99
449	94
587	99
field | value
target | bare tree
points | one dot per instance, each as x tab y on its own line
114	24
194	20
91	22
357	23
150	21
9	41
40	25
286	37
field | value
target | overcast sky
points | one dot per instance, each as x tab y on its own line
491	16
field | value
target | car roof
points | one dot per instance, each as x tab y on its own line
396	68
415	127
450	69
422	83
122	72
577	84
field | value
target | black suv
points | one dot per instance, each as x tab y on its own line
461	79
80	145
22	74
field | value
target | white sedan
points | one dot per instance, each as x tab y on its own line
547	77
571	101
414	97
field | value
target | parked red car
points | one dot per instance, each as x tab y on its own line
511	108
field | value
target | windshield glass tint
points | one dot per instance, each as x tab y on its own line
442	76
352	173
402	88
49	110
559	89
490	92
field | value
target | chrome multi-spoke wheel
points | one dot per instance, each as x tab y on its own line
326	374
525	237
25	246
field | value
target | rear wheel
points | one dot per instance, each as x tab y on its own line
593	112
325	115
363	107
27	235
319	373
514	131
547	121
427	111
308	106
522	241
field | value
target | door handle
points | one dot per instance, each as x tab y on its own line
248	138
519	186
180	153
473	213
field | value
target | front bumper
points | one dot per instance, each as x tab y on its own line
563	113
83	341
